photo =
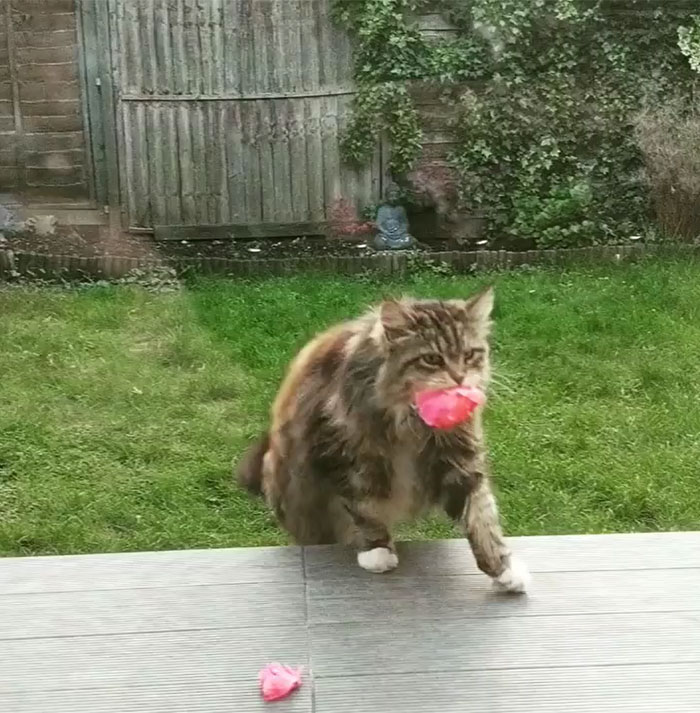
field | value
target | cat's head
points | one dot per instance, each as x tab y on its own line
432	344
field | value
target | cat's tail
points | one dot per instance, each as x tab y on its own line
249	470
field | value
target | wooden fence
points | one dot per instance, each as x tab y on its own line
42	147
225	111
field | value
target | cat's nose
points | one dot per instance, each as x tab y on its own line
457	376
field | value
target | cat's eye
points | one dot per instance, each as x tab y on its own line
473	355
433	360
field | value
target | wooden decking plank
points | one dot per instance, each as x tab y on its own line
622	689
219	697
150	569
543	554
195	658
146	610
510	642
373	598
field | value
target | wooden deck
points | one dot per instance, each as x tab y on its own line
612	624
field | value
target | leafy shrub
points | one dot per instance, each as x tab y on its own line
559	219
344	221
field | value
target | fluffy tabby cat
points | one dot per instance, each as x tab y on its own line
346	456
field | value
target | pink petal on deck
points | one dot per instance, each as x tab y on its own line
278	681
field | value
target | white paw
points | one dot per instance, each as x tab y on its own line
515	579
378	560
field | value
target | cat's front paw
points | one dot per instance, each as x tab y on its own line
378	560
516	578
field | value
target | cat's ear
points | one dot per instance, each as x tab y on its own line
480	306
395	319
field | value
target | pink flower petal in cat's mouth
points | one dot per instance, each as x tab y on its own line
446	408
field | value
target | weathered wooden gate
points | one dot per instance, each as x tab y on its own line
228	112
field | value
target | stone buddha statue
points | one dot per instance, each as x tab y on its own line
392	223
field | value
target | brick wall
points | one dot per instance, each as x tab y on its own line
42	145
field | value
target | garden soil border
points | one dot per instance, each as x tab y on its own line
16	265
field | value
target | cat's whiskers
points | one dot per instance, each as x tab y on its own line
499	384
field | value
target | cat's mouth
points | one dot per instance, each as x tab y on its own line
447	408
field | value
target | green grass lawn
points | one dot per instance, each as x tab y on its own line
120	410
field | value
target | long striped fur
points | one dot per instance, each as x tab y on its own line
346	457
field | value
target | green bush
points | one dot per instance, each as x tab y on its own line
559	219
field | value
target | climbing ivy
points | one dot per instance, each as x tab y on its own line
689	42
545	145
389	52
